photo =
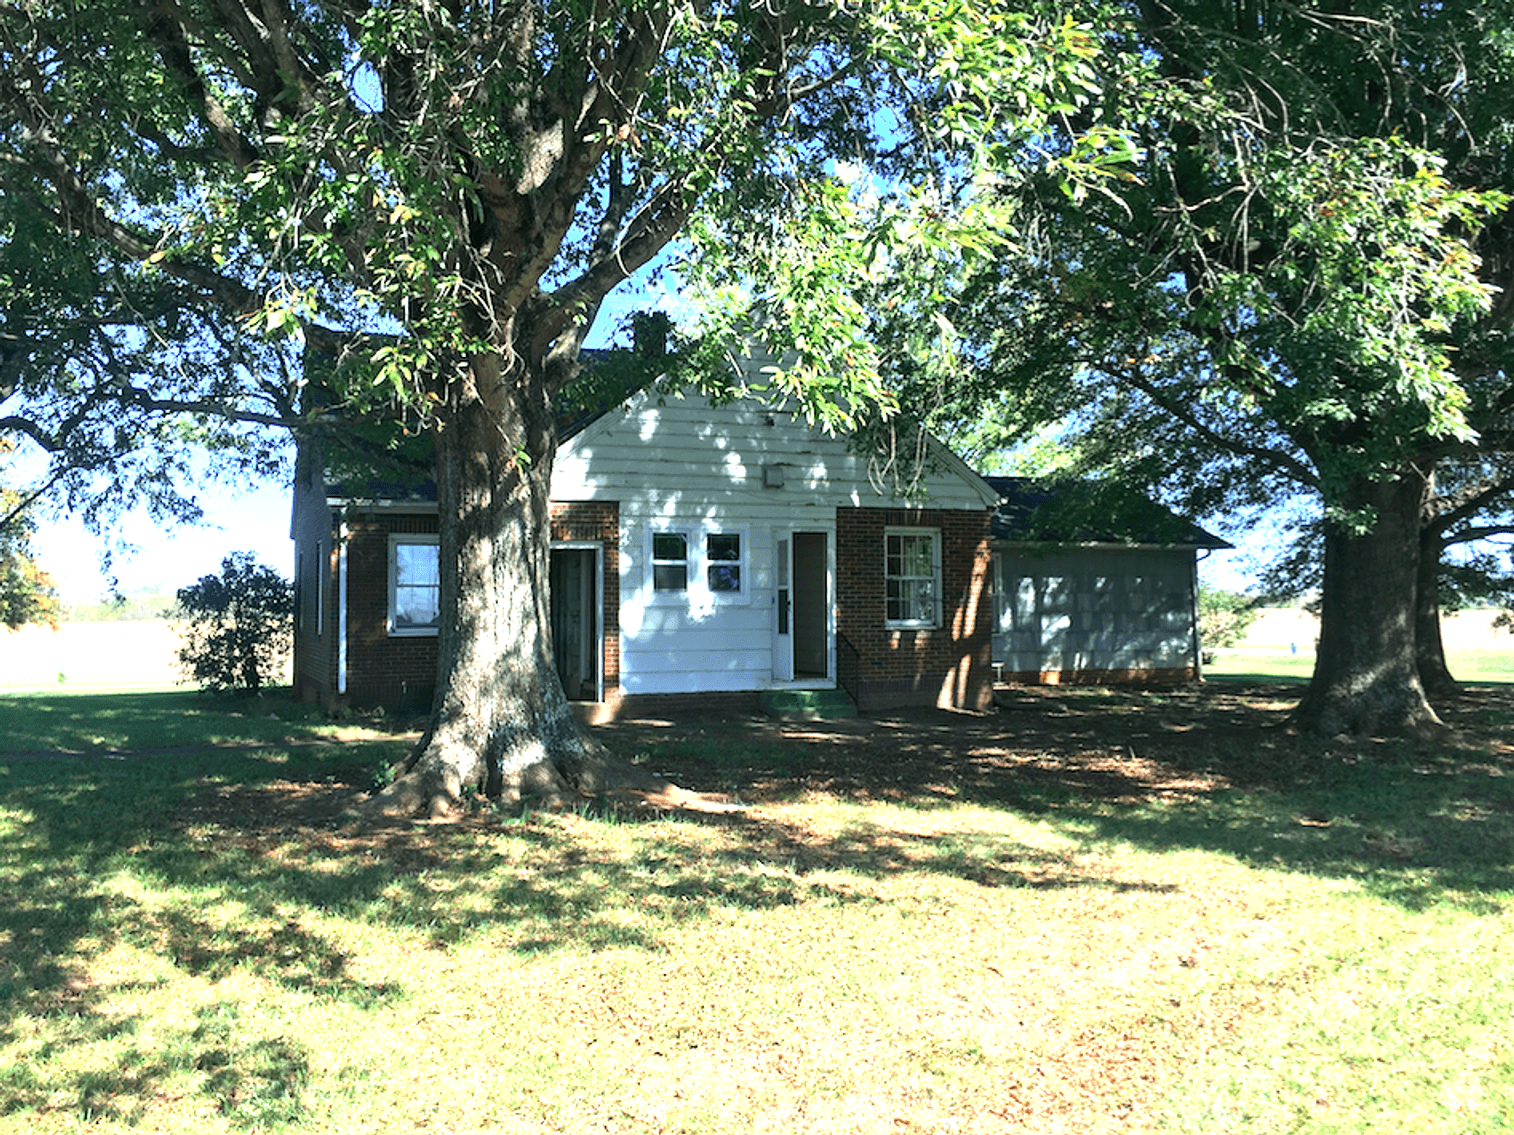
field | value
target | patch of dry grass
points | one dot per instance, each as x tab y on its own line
1097	920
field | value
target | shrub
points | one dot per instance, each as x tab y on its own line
1224	618
27	593
237	626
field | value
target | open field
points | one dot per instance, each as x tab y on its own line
141	655
128	655
1091	911
1281	644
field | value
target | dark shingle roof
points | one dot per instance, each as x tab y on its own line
1088	512
603	387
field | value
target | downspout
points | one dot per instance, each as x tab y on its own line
341	608
1193	615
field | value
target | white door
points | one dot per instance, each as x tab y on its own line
783	610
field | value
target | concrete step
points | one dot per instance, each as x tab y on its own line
807	705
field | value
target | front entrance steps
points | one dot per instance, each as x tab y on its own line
806	705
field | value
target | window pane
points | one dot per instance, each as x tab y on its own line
917	556
670	546
670	577
723	553
670	554
416	564
904	600
923	599
723	546
911	600
910	578
415	607
417	586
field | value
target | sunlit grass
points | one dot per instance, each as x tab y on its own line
1325	956
1257	665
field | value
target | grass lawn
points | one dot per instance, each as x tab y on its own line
1280	646
1093	911
1480	666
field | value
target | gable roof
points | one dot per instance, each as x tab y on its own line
616	385
1089	512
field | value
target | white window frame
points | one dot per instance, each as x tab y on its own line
743	573
396	540
690	568
933	621
697	591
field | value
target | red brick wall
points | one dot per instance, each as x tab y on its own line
392	670
598	522
381	669
947	666
723	704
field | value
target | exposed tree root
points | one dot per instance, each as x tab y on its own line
1332	714
438	779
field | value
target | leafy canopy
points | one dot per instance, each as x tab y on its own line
242	180
1299	281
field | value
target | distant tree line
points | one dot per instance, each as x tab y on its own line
138	606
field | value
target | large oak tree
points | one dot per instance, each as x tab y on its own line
1343	274
1302	289
241	180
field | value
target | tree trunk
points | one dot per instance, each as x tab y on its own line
1429	648
501	725
1366	680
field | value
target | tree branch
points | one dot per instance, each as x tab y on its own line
1444	511
1289	466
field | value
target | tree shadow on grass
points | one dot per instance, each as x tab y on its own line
545	882
1210	767
234	869
237	865
232	864
71	829
1415	822
54	917
254	1081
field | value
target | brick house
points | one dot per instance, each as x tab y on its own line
701	556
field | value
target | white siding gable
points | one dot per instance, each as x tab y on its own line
656	449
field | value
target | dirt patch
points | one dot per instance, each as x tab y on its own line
1117	746
1040	747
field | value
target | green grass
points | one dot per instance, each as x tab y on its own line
100	721
1249	665
180	952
